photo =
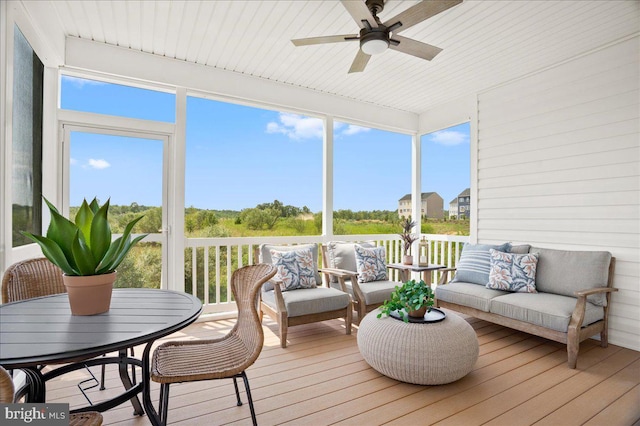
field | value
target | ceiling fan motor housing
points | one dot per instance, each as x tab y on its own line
380	34
375	6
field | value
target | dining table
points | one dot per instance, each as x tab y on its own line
42	332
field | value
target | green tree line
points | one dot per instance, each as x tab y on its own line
143	266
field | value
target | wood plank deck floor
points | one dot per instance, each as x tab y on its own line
321	379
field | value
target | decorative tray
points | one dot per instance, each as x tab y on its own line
434	315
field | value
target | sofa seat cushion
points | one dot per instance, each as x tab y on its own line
467	294
374	292
567	271
544	309
309	300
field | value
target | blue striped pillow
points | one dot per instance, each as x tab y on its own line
475	263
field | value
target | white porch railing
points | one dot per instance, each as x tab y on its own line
209	262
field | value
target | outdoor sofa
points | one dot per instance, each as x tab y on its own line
566	298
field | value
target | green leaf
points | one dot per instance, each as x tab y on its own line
52	251
61	230
95	206
82	255
124	247
51	206
84	217
108	258
100	233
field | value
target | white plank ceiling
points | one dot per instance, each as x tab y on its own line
485	42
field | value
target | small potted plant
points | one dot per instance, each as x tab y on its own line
413	298
86	254
407	239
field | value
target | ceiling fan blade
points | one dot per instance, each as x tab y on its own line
360	62
419	12
324	39
359	12
415	48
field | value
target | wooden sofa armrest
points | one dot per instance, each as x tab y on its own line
277	291
337	272
577	318
445	275
594	290
341	275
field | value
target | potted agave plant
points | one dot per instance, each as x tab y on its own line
86	254
413	297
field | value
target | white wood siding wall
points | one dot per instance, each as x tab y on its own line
559	166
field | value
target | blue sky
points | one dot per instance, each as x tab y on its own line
239	156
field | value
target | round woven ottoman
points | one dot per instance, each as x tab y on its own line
424	354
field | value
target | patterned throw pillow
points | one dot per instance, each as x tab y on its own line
295	269
370	264
474	264
513	272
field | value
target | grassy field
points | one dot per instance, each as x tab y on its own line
290	227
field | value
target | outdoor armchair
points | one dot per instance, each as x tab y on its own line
340	267
290	304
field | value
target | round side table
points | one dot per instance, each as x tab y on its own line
425	354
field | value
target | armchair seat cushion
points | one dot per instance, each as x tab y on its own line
375	292
309	300
468	294
544	309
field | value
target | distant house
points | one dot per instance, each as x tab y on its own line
453	208
432	205
464	204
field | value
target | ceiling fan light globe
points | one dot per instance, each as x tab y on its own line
374	47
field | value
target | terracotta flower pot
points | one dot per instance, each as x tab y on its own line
407	260
89	295
419	313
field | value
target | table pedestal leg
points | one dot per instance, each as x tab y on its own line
426	277
126	381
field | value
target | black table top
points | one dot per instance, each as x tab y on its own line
43	331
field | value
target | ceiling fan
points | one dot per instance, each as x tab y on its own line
376	36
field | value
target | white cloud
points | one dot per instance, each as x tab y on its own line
352	129
299	127
98	164
73	161
81	82
449	137
296	126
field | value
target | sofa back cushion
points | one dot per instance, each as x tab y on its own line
342	255
474	264
520	249
566	271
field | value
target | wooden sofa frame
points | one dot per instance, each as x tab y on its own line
575	332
